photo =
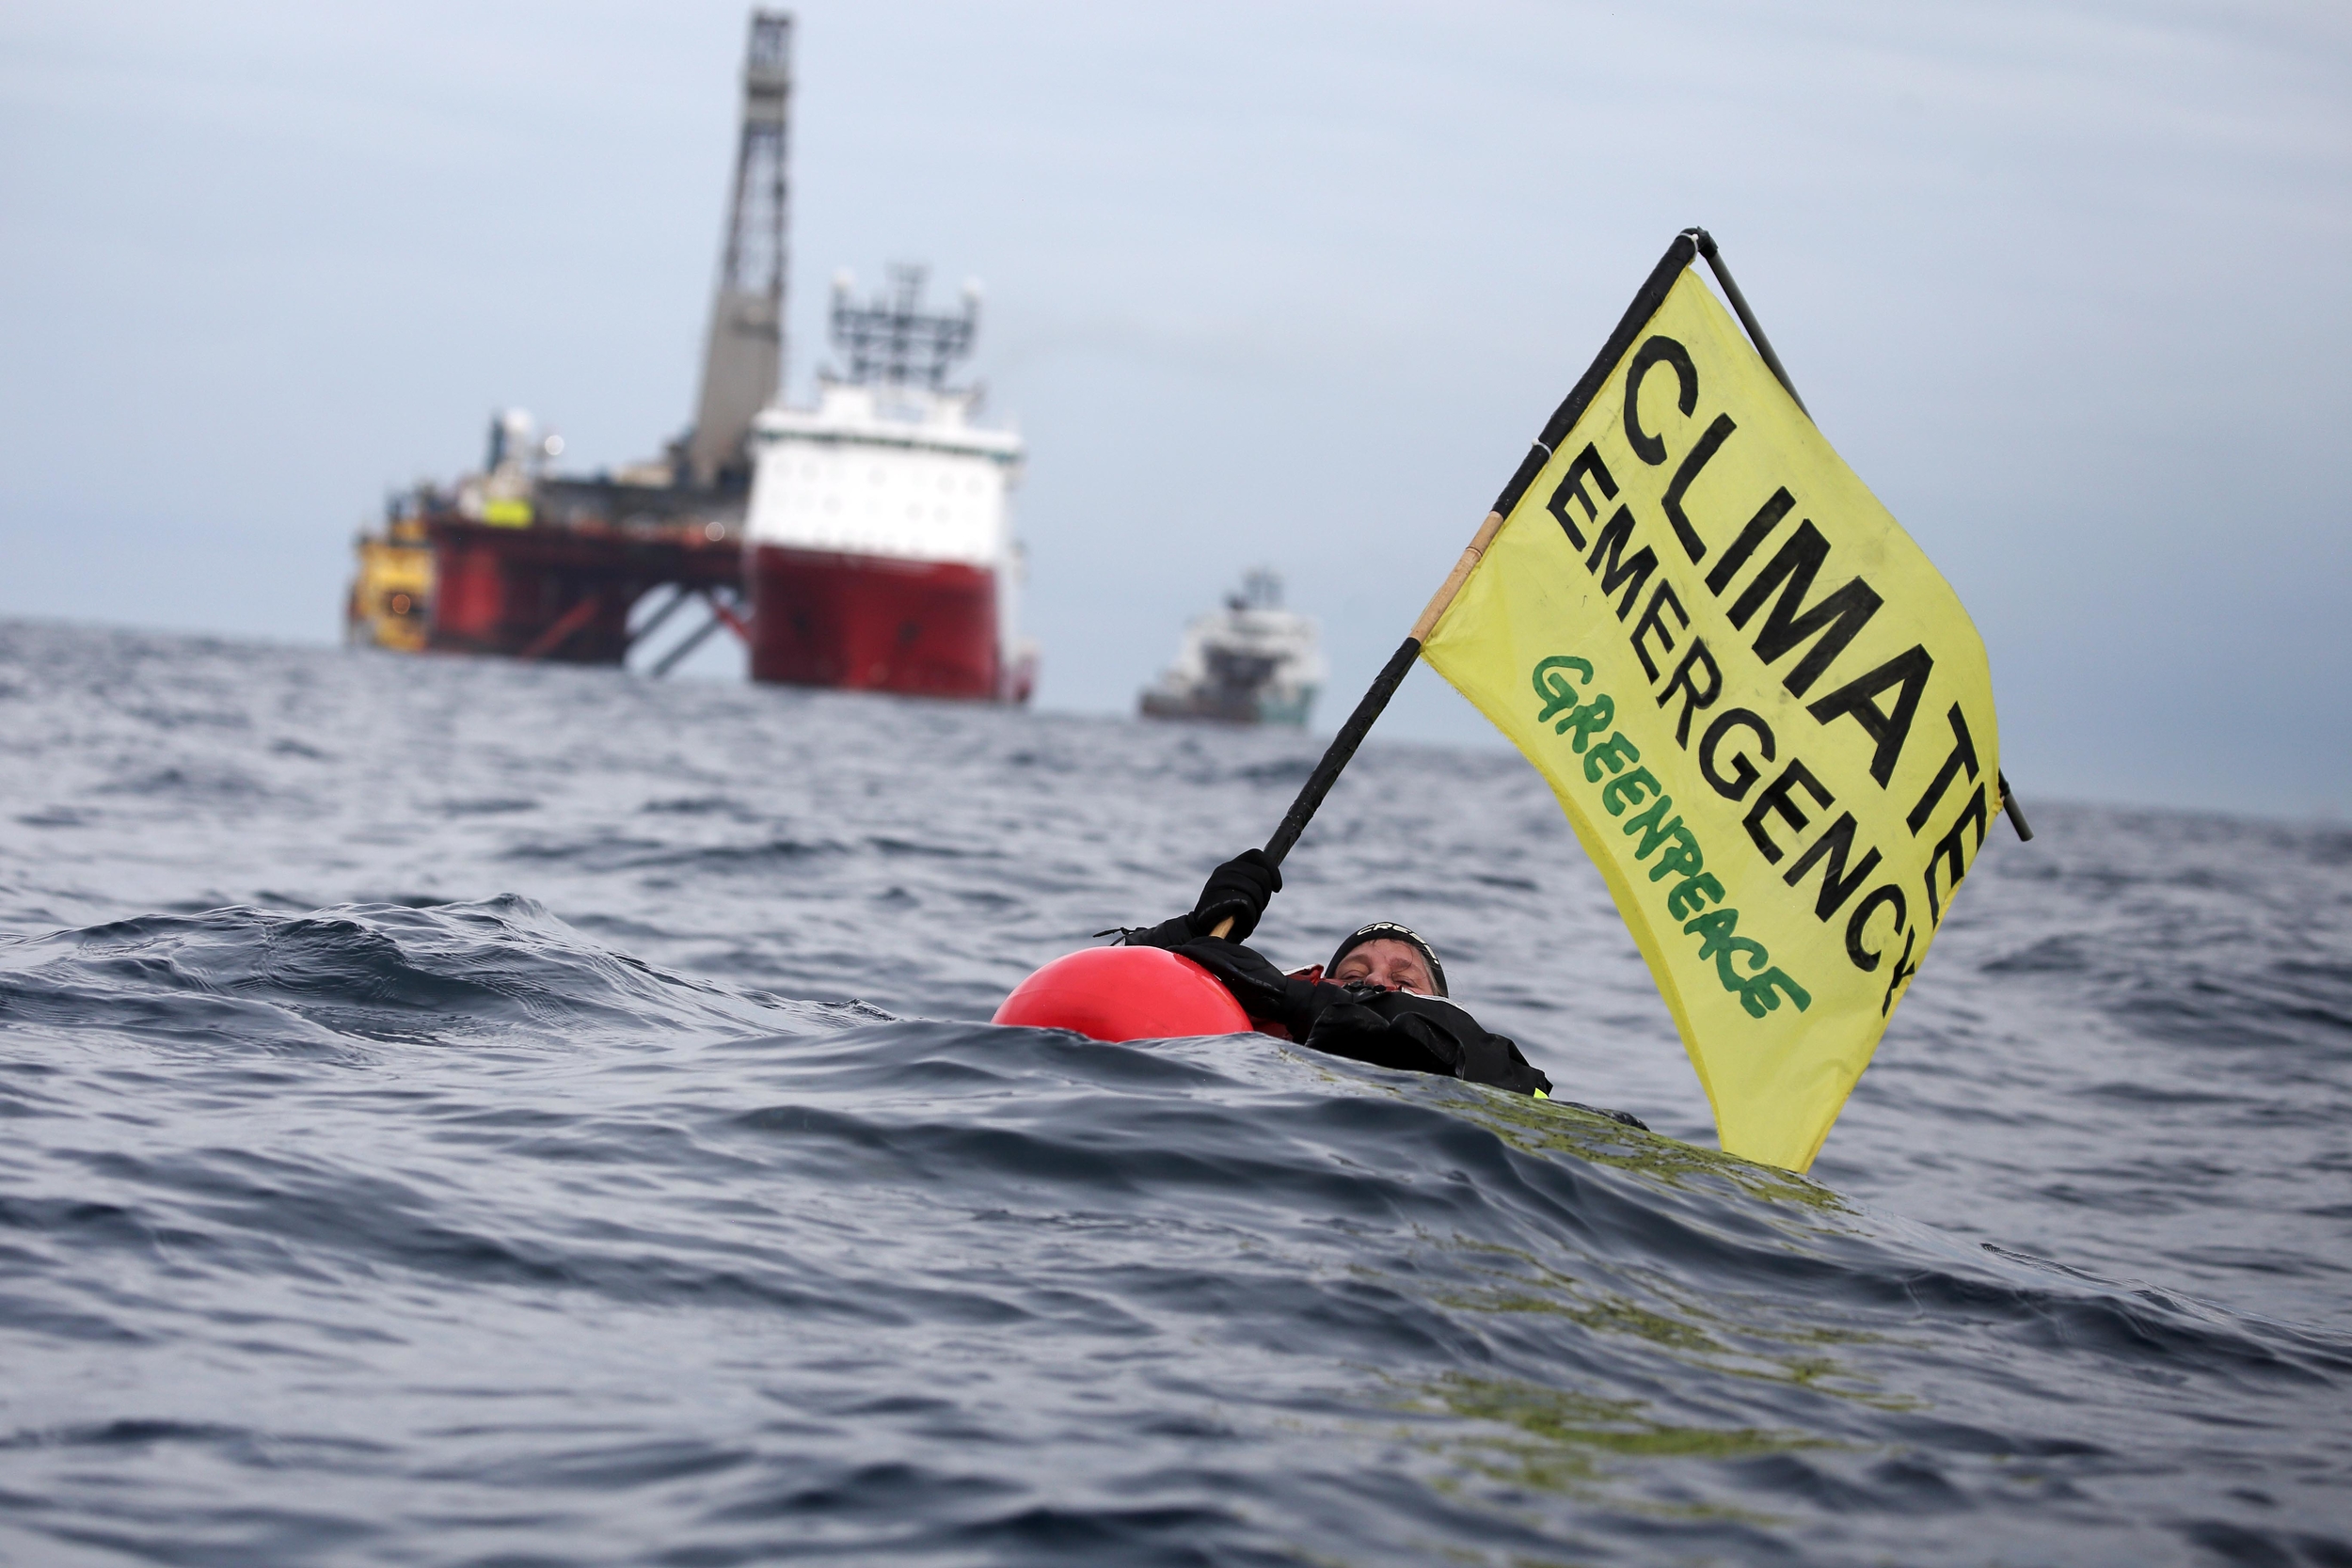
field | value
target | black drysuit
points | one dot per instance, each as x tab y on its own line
1387	1028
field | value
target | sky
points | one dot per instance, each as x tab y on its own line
2065	282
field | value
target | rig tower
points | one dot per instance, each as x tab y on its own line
744	358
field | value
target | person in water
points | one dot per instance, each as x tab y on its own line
1382	997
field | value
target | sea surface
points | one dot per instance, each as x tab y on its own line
456	1112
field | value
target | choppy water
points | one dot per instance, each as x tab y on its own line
457	1113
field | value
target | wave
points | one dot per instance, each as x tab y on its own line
349	1215
498	971
1504	1308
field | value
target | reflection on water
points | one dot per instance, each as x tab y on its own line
1571	1444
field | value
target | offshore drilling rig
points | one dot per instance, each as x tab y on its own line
520	561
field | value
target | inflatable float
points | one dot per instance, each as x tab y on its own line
1125	993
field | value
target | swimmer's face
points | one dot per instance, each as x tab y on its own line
1386	962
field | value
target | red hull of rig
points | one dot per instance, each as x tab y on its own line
563	594
921	628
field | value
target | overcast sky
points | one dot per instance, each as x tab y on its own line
2068	284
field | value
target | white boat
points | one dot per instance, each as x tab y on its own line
1252	662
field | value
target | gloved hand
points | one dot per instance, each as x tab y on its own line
1356	1024
1241	889
1421	1033
1263	990
1387	1028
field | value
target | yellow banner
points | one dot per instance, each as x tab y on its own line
1766	714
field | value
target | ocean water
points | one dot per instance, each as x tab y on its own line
462	1113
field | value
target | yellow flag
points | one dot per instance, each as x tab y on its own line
1766	714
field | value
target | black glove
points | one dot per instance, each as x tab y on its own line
1240	890
1262	990
1420	1034
1350	1026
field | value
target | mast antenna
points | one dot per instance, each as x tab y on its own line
893	339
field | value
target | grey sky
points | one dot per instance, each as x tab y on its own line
2066	284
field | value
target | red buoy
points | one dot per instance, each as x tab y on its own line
1125	993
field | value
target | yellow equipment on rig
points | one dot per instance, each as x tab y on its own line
391	597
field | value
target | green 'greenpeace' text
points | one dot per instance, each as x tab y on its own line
1695	897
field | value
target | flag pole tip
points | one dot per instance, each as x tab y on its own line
2012	811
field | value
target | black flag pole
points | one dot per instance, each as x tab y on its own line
1384	686
1691	243
1706	243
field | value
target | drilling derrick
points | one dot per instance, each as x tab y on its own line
743	360
520	561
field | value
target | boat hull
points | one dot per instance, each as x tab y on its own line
864	623
1286	707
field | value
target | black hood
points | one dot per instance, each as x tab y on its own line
1389	930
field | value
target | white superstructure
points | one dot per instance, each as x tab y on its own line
878	536
881	470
